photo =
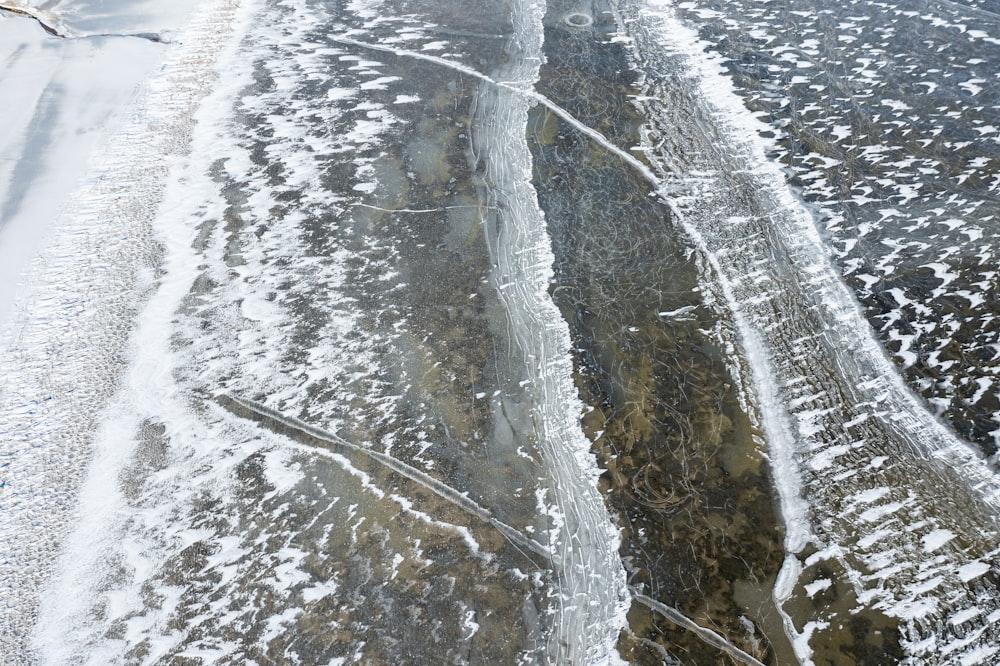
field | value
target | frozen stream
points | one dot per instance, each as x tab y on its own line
476	332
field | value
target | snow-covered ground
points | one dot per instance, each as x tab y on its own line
91	123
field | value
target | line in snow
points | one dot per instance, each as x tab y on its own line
419	210
46	20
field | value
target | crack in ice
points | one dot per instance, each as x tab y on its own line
277	421
583	128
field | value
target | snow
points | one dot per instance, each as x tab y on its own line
61	103
245	287
965	615
101	17
972	570
934	540
76	252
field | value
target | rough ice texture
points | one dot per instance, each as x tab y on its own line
276	284
828	399
886	115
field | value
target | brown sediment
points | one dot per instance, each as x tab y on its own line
684	471
850	632
697	527
406	579
706	635
196	556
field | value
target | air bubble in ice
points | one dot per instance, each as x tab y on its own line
578	20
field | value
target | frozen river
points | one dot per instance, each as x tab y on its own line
570	332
